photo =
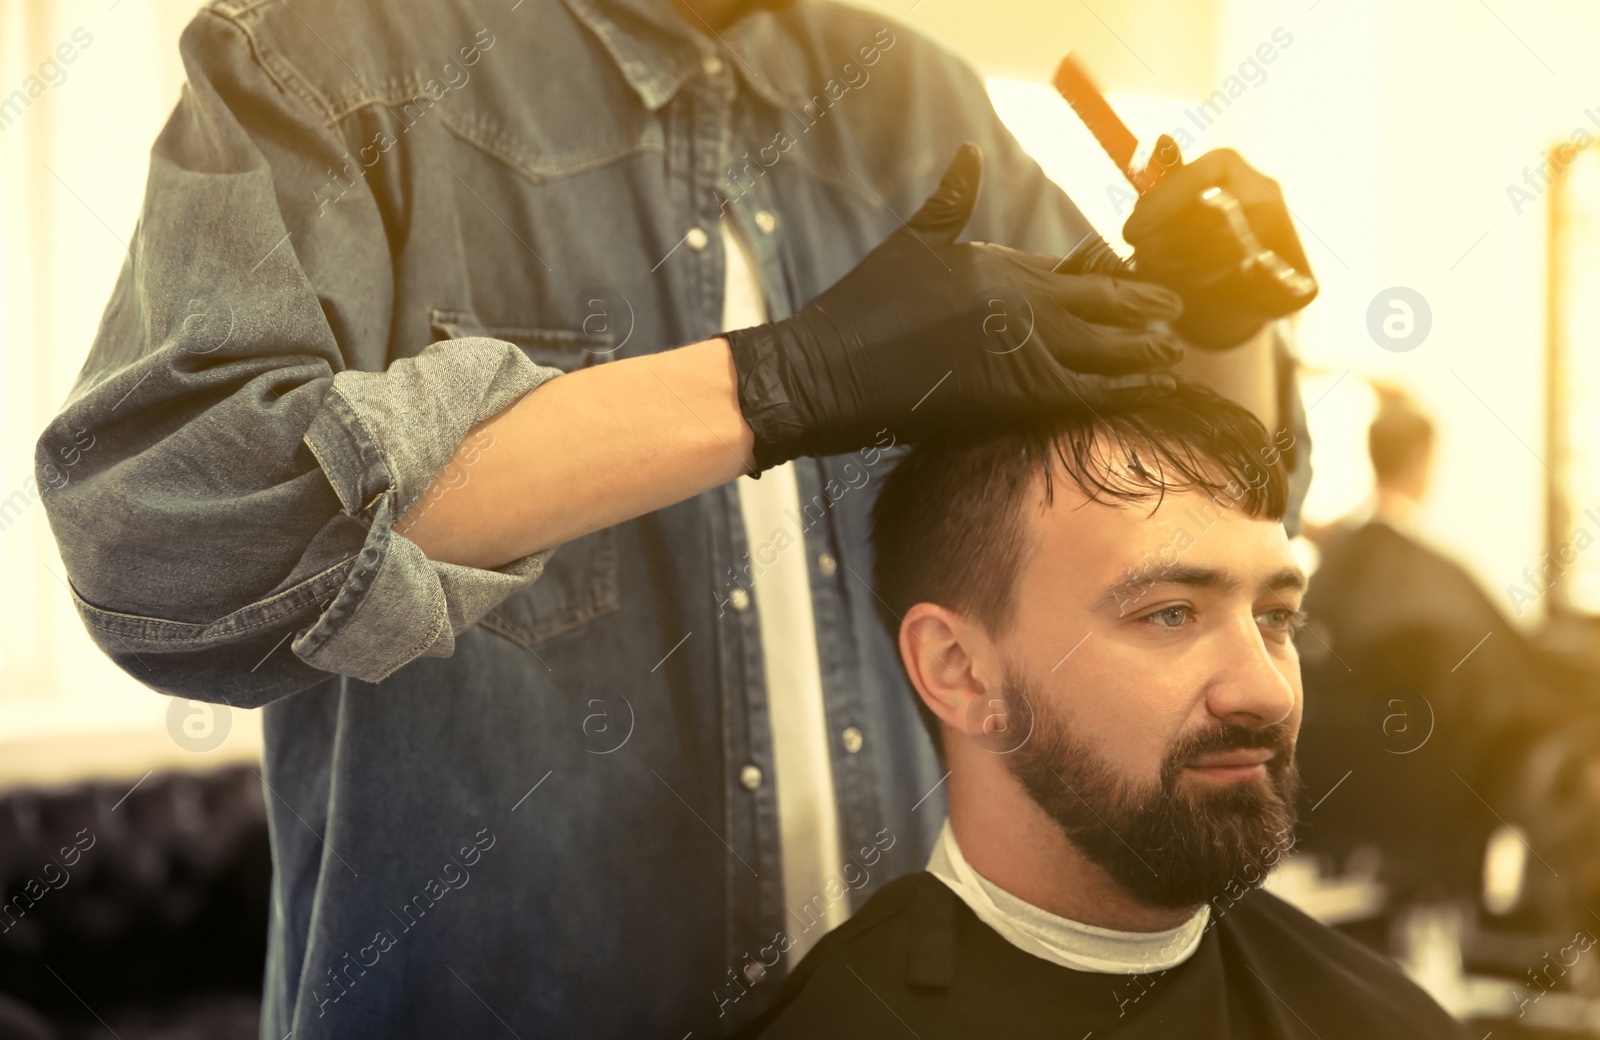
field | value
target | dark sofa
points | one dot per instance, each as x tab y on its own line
134	910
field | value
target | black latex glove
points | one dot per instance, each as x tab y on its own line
926	337
1181	242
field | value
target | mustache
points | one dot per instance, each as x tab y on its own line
1277	738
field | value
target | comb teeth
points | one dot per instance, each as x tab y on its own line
1072	82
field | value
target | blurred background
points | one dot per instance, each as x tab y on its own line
1437	157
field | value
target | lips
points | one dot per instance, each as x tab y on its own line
1238	758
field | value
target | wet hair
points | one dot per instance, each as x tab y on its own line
949	527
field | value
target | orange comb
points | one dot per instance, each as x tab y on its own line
1073	83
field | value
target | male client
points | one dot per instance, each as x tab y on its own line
1098	617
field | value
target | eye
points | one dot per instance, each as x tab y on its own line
1283	619
1168	617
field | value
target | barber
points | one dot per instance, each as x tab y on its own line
577	718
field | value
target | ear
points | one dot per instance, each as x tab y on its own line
949	659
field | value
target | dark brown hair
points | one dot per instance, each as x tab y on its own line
948	524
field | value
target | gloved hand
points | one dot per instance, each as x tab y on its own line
926	337
1185	240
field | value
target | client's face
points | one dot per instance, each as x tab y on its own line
1151	665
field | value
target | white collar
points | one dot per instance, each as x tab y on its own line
1071	944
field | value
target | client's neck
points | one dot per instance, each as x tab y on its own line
1396	506
1012	843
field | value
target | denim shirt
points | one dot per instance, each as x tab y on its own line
540	796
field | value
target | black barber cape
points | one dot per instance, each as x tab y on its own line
915	962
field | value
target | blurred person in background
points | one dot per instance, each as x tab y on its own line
1429	696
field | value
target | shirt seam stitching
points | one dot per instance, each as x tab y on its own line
581	162
279	70
246	619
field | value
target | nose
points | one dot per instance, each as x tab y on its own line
1251	687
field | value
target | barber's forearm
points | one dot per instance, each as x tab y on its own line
1246	374
584	451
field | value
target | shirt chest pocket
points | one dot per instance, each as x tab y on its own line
579	583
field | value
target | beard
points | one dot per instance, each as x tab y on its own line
1170	847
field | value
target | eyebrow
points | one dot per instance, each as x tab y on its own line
1134	582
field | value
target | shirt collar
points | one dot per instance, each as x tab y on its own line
1070	944
657	51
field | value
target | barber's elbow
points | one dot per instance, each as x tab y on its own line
172	607
247	670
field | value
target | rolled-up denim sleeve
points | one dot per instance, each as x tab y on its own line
225	477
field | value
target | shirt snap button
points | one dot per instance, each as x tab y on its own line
696	239
712	66
766	220
853	740
750	777
739	599
827	564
